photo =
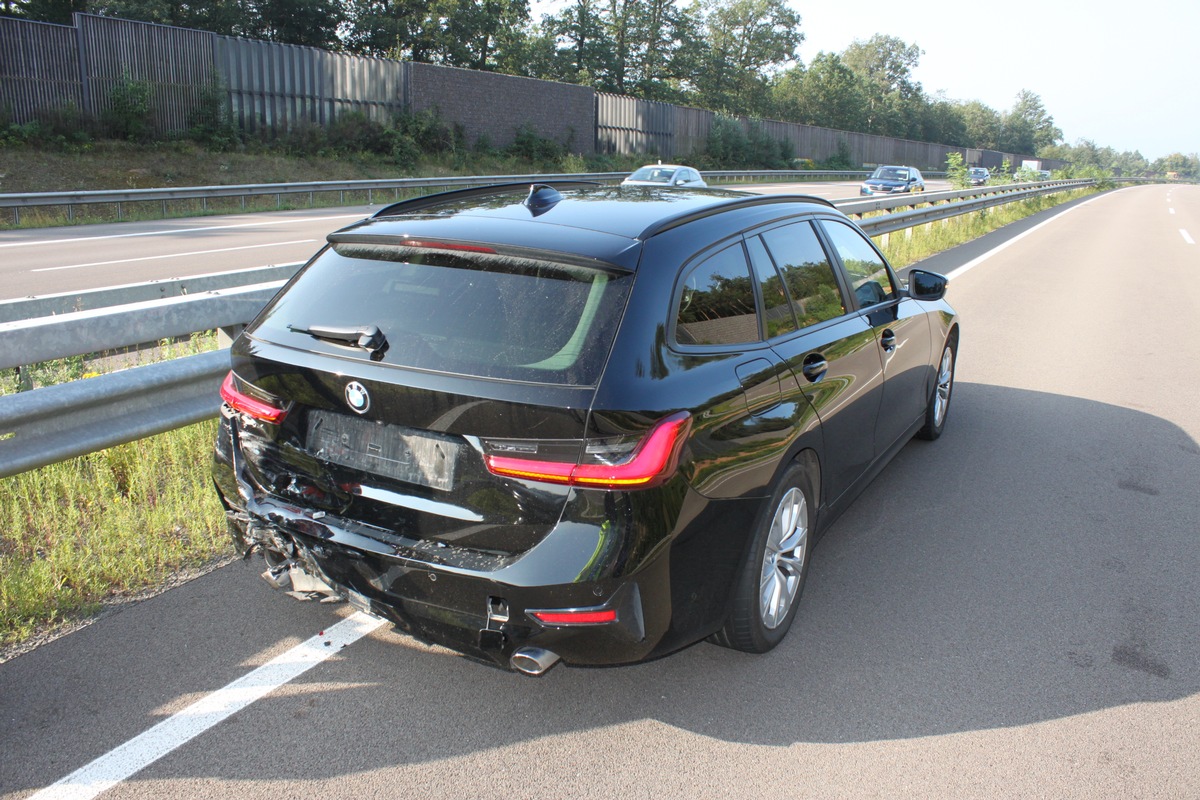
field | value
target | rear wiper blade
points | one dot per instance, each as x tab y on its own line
368	337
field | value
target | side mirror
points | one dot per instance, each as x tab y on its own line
681	182
923	285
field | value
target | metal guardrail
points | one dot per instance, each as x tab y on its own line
393	185
54	423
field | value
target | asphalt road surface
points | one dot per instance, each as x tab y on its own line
1011	611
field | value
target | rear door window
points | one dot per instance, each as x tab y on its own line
811	283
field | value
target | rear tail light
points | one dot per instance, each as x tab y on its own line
650	462
239	400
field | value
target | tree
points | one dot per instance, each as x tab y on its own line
884	65
1028	127
745	43
982	125
943	122
313	23
826	94
587	51
59	11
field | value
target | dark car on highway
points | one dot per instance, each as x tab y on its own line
978	176
893	180
576	422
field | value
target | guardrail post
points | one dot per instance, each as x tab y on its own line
226	335
24	380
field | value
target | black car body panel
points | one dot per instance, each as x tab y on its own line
472	465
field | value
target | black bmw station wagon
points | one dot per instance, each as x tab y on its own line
576	422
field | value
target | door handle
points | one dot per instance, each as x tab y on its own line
814	367
887	340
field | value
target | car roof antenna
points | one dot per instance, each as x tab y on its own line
541	198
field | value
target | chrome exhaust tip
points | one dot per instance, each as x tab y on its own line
533	660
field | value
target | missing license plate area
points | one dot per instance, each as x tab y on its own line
394	451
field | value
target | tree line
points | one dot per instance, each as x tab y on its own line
730	56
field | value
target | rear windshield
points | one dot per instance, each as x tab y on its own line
484	316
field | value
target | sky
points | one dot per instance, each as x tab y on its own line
1124	75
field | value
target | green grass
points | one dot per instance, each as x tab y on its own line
76	534
84	531
906	247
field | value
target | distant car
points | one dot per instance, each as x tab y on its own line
979	175
893	180
666	175
579	421
1044	174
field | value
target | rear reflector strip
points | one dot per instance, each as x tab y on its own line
240	401
652	463
585	616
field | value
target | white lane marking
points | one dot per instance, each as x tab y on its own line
141	751
182	230
975	262
173	255
1171	210
1186	237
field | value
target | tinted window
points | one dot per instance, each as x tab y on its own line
490	317
777	309
807	273
717	302
868	273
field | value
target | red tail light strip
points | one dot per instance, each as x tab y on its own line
240	401
652	463
581	617
466	248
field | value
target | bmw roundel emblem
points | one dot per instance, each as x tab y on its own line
357	397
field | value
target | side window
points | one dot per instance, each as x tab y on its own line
777	308
869	276
811	284
717	302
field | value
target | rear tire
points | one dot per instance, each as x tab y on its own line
772	578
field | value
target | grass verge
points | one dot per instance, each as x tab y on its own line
909	246
83	533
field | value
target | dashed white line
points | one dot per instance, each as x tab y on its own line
172	255
1171	211
182	230
141	751
1186	237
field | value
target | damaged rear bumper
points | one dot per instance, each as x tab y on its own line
477	603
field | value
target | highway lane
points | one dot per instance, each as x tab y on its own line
1013	610
53	260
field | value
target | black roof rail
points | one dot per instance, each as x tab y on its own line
685	217
432	200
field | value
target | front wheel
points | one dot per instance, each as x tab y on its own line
939	400
772	577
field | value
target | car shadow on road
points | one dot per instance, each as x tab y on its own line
1039	561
